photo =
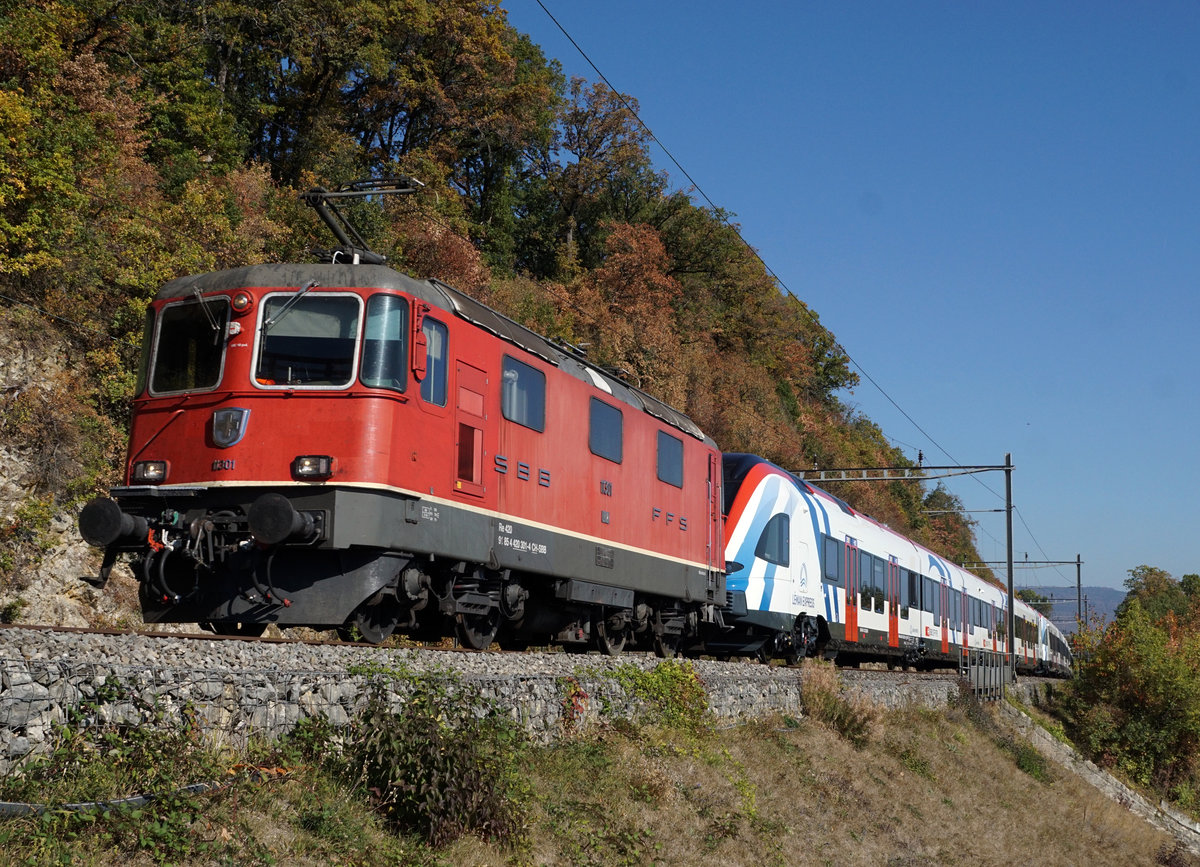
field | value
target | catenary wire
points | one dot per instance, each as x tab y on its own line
719	213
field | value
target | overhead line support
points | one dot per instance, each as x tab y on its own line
923	473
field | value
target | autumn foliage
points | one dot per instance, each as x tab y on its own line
1135	706
146	140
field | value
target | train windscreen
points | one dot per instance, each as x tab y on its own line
190	347
308	341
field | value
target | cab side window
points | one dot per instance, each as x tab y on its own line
433	386
775	542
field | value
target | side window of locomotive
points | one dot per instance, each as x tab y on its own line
523	394
310	340
433	386
143	375
604	430
774	545
190	347
670	459
384	352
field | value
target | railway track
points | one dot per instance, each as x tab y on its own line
12	633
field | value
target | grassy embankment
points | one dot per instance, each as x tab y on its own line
846	784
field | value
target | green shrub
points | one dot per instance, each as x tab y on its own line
1135	706
442	765
672	693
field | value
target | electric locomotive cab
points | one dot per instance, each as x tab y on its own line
251	393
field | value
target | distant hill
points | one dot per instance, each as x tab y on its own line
1101	602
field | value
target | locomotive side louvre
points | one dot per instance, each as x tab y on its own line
305	437
862	591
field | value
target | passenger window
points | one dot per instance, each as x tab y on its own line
604	430
833	561
384	357
523	394
866	576
775	541
433	386
670	459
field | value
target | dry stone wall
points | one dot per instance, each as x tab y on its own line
236	689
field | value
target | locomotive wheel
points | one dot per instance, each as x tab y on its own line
478	631
666	645
609	641
375	623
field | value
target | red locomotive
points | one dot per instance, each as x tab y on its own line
338	445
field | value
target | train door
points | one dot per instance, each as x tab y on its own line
852	579
469	417
965	621
1001	629
944	616
893	602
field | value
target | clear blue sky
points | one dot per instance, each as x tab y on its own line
994	206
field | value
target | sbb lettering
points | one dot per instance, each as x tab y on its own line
524	472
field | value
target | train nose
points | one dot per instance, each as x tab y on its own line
101	523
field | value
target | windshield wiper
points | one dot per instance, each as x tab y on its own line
212	320
291	302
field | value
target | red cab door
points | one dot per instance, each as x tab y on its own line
471	399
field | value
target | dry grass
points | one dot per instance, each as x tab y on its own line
923	788
927	788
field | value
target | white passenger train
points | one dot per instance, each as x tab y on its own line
809	575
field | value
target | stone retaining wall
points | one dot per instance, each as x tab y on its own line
237	689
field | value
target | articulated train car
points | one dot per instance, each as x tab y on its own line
809	575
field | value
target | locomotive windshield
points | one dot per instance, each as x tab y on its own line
308	340
190	346
384	345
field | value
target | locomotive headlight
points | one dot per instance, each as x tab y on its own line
312	466
242	302
149	473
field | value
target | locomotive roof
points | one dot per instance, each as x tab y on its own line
436	294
